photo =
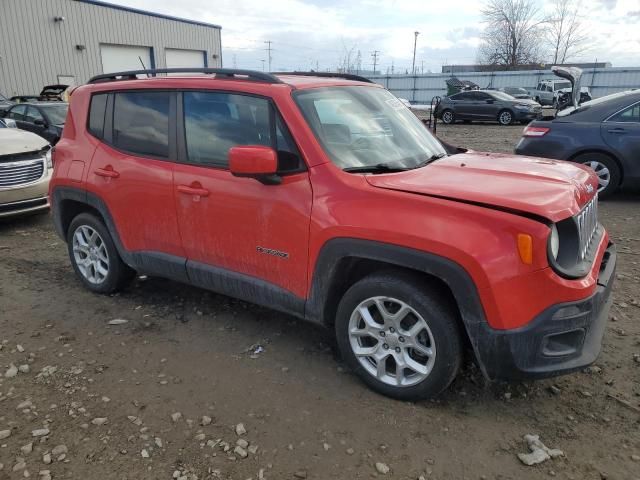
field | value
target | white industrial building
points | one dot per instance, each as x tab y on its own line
68	41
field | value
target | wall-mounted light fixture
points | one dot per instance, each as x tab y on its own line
214	56
58	19
80	48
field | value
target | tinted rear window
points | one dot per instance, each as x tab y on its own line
97	114
141	123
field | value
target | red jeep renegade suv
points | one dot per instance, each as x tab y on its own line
324	197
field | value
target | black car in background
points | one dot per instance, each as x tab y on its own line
487	105
42	118
603	134
516	92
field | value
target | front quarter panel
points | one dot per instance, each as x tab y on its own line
482	241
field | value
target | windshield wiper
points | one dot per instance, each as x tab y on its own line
432	158
377	168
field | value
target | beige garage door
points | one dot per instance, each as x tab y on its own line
179	58
119	58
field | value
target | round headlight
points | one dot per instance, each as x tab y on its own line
554	242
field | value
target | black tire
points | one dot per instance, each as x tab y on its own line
615	175
448	116
505	117
439	316
466	122
119	274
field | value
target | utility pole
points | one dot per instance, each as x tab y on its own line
422	68
415	43
374	55
262	65
268	49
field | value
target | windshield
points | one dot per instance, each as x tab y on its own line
515	90
367	126
55	113
501	95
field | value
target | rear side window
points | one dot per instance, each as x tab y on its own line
141	123
97	112
628	115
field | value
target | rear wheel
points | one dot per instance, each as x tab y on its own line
448	117
505	117
606	169
94	256
398	336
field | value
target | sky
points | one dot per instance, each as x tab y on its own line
316	34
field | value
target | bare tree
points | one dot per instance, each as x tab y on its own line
513	30
565	31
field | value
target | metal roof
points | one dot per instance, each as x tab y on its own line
100	3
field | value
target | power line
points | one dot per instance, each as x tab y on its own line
374	55
268	42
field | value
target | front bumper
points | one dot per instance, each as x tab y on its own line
23	207
563	338
521	115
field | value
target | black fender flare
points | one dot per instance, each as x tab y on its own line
459	281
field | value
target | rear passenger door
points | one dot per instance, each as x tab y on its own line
621	132
231	225
132	173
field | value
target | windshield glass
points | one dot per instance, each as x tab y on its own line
515	90
55	113
366	126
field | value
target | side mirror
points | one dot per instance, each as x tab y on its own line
255	161
39	122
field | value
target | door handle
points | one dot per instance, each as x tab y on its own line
194	191
619	131
107	172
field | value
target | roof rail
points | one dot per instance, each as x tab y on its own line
346	76
219	72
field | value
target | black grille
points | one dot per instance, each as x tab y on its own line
587	221
21	172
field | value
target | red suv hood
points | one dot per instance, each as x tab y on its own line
547	188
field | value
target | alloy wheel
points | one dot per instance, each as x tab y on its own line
392	341
603	173
505	118
447	117
90	254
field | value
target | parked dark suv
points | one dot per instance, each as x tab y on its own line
324	197
487	105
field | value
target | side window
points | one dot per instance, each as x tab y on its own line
18	112
33	114
628	115
97	112
215	122
289	159
141	123
549	88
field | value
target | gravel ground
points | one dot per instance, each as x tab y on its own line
161	394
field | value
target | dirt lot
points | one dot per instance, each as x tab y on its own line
106	393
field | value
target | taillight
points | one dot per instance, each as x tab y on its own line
535	131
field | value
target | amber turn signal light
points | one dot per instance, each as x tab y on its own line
525	248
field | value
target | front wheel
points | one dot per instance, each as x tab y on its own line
94	256
505	117
398	336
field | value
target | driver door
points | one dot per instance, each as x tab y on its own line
229	224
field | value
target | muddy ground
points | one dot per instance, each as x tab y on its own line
106	393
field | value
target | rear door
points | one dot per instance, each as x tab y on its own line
462	103
239	225
132	172
36	121
621	132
